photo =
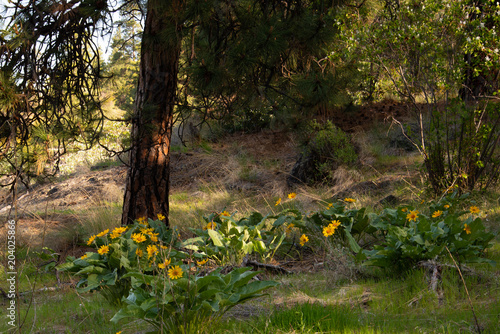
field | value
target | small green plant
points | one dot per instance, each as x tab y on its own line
410	236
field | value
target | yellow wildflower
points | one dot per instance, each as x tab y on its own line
330	205
278	202
292	195
437	214
202	262
160	216
142	221
289	228
474	209
446	206
413	215
152	250
210	226
103	250
138	237
303	239
165	264
350	200
175	272
404	209
83	257
328	230
91	240
139	252
467	229
120	332
225	213
103	233
335	223
163	247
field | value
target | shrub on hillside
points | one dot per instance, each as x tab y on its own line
325	148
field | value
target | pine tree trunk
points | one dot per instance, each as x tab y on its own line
147	186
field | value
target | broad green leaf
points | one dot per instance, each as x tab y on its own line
216	238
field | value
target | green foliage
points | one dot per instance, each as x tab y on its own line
228	241
462	147
188	304
50	85
123	65
325	147
142	269
410	236
251	65
428	54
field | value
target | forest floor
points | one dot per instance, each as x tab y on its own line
245	173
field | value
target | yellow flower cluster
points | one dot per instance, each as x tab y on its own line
152	250
474	209
117	232
467	229
330	229
292	195
202	262
349	200
138	237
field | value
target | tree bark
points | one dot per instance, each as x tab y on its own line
147	186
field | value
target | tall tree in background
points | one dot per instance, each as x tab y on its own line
122	67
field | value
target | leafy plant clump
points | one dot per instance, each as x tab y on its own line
325	148
227	240
410	236
144	270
